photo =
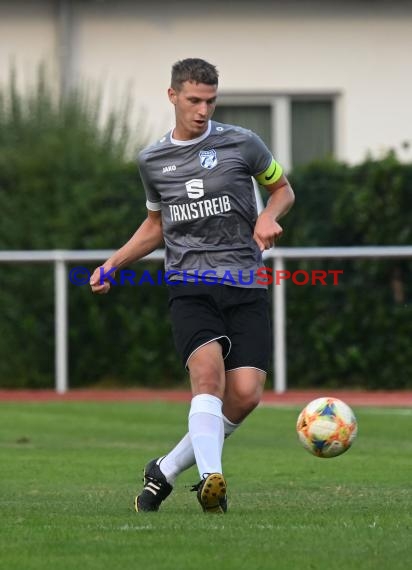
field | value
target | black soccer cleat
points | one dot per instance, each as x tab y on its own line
211	493
156	489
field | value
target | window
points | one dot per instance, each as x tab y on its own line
298	128
311	130
257	118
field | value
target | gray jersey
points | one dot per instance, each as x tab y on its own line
205	192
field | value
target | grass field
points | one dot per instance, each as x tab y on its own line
68	473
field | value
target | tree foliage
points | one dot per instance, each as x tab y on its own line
355	333
66	182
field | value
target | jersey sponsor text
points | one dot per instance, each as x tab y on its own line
201	209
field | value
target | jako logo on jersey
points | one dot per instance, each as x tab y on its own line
194	188
170	168
208	158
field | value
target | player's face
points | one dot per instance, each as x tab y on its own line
194	105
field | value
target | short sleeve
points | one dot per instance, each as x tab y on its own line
262	165
153	201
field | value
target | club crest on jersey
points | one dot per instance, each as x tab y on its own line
208	158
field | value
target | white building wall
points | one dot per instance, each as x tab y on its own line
361	50
27	39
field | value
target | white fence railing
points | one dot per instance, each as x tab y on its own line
60	259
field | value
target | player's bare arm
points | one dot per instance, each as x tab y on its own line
267	228
147	238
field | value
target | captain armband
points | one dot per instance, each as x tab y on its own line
271	175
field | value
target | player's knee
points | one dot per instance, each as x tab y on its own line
207	378
237	411
245	400
250	402
207	385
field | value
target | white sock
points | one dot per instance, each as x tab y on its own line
182	456
229	427
179	459
206	432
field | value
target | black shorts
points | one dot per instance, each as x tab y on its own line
237	317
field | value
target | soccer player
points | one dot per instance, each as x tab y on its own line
201	204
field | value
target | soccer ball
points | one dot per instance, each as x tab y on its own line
326	427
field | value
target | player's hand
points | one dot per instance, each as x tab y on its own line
97	285
267	231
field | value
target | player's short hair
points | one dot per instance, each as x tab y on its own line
195	70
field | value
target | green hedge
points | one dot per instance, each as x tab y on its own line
357	333
65	184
